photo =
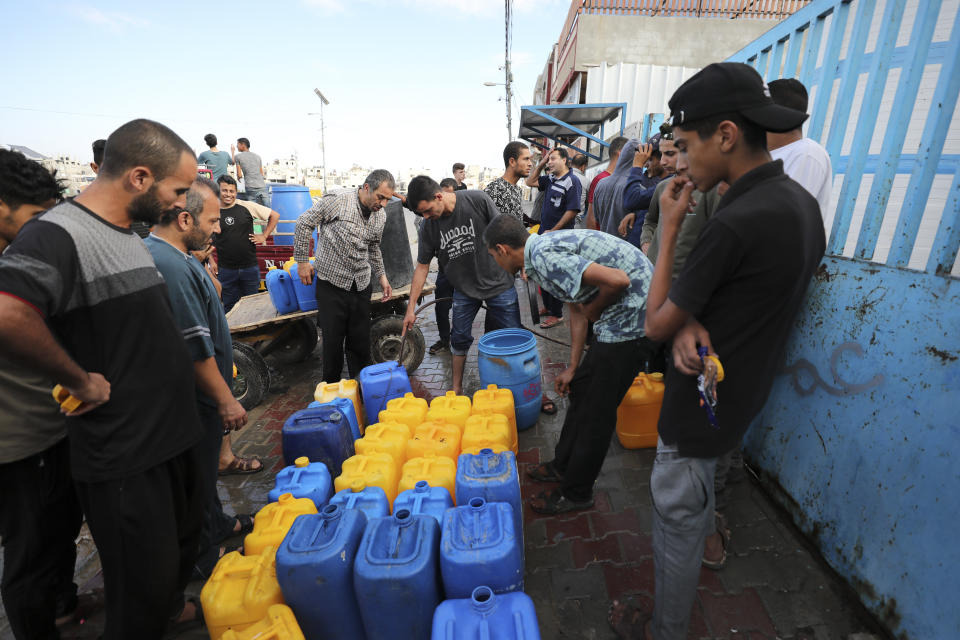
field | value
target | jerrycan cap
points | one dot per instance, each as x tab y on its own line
403	517
357	486
331	512
285	498
478	504
483	600
422	486
336	416
301	462
656	376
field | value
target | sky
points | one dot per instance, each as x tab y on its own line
404	77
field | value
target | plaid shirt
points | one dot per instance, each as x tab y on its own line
348	249
556	261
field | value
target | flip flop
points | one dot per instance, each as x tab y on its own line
242	466
627	620
548	406
546	324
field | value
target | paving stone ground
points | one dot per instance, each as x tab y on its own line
773	586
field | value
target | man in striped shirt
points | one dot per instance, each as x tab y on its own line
348	260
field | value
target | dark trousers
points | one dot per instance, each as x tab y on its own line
597	388
553	305
444	290
147	531
217	526
343	316
40	519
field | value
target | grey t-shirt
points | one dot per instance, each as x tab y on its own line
30	419
250	166
457	242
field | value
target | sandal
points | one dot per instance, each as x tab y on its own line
241	466
548	324
175	628
548	406
555	503
544	473
724	532
628	621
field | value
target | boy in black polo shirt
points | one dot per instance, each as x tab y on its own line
737	295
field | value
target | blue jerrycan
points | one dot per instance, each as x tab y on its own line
322	434
484	616
325	545
479	547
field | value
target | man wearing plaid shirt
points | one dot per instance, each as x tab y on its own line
350	224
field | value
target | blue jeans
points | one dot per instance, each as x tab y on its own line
260	196
503	312
237	283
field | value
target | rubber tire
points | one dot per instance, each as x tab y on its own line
385	333
253	376
298	344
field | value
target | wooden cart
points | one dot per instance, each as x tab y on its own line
258	330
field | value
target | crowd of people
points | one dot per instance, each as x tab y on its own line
700	241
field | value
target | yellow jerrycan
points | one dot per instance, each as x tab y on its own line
488	431
438	436
373	469
385	437
240	592
639	411
438	471
450	408
349	389
271	523
409	410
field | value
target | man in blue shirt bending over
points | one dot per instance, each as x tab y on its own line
605	280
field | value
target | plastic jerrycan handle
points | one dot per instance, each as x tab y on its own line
477	506
333	417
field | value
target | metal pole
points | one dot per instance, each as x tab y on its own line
506	70
323	149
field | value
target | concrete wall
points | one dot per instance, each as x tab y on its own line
672	42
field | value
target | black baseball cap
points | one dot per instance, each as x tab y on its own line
725	87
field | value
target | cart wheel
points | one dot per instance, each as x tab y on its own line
253	378
297	344
385	333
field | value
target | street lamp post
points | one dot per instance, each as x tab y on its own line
509	97
323	145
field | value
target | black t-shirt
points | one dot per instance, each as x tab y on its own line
100	293
460	187
744	281
234	249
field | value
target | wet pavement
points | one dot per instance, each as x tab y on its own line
774	584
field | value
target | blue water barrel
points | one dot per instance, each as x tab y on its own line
371	500
479	547
325	545
493	477
508	358
321	434
379	383
483	615
345	405
282	294
304	479
396	576
426	500
289	200
306	293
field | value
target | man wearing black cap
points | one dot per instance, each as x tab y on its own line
737	296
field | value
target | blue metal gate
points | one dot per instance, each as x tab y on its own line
860	438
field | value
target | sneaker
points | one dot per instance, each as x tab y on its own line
438	346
